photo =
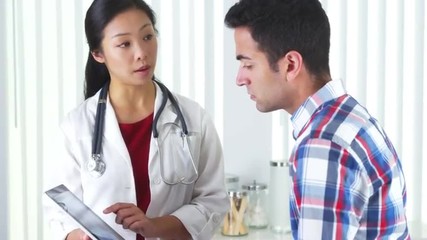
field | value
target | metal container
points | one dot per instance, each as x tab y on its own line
231	181
279	218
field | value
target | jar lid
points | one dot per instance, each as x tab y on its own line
231	178
236	193
279	163
254	186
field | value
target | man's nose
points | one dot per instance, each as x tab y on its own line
241	78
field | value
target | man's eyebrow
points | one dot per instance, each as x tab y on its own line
240	57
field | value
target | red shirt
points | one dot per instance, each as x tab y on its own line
137	137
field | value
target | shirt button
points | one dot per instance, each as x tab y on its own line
216	219
157	181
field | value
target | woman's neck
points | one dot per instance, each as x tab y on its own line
132	103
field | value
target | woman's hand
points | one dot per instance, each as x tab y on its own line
134	219
129	216
77	234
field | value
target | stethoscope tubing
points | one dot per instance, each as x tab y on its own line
100	120
169	96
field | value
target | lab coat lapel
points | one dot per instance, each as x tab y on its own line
168	115
112	133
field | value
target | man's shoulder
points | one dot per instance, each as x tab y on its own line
340	120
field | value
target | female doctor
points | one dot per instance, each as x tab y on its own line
147	161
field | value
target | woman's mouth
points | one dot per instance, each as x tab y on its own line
143	68
143	71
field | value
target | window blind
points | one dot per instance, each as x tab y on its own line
378	48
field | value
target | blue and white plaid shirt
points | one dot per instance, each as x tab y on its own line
347	180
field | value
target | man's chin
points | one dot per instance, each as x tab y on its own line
263	109
266	109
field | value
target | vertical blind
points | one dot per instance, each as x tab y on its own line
378	49
3	130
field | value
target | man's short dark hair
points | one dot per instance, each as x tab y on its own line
279	26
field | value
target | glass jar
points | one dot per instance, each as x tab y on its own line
231	182
234	221
257	216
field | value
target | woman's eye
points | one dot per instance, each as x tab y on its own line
247	66
125	44
148	37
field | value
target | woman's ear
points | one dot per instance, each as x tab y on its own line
98	56
291	64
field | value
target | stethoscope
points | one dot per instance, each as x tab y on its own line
96	165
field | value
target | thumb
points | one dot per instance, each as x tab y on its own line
84	236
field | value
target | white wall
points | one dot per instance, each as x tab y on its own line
247	132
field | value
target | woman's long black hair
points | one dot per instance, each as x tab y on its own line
99	14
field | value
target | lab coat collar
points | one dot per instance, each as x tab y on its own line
112	131
168	115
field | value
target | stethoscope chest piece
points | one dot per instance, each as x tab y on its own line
95	166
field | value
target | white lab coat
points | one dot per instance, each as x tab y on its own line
200	206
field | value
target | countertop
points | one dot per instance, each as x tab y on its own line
417	231
256	234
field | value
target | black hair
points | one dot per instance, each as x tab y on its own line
279	26
99	14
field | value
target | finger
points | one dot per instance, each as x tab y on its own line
134	222
136	225
127	216
118	219
86	237
124	213
116	207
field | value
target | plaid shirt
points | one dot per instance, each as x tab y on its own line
347	180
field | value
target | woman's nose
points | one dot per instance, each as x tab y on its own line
140	52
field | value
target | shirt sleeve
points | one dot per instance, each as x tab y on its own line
329	193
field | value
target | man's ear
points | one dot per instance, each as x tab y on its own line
291	64
98	56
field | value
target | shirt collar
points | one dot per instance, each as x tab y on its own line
333	89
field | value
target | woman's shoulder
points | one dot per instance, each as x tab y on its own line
193	112
80	115
188	103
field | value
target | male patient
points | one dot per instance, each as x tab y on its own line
347	180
